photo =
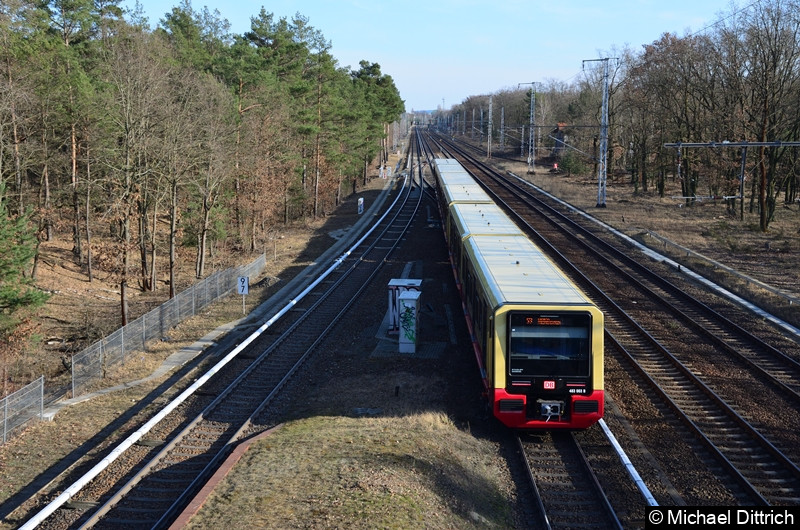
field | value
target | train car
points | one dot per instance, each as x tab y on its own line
466	219
537	338
456	186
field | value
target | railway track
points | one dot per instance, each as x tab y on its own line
764	474
568	491
699	363
161	473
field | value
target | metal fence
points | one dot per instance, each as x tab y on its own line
17	409
91	364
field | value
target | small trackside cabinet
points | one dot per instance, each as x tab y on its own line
397	286
409	321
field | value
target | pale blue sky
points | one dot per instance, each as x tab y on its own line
448	50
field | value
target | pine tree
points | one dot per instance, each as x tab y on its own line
17	249
17	293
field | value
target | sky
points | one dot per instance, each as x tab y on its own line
440	52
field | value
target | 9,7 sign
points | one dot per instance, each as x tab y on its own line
243	285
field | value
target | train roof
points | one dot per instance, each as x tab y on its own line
465	193
444	162
449	168
481	219
514	270
457	185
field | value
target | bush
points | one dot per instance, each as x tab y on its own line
572	163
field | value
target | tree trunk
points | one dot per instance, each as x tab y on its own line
76	209
203	241
35	267
17	165
316	191
123	284
237	210
143	240
318	148
153	227
16	141
762	187
48	222
643	166
791	189
339	189
253	226
173	229
88	230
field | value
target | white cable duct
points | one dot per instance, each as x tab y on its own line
637	479
136	436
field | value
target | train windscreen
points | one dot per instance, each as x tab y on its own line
549	344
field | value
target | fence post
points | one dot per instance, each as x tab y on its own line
41	397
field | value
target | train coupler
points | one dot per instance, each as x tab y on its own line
550	409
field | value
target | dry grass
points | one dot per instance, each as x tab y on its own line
409	471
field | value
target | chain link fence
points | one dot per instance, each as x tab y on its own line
91	364
17	409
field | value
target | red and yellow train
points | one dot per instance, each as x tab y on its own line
537	338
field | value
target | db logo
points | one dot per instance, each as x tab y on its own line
549	385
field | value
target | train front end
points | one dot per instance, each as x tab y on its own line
548	367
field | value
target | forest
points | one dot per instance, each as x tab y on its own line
129	141
124	139
736	81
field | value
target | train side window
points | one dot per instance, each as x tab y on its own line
483	327
471	291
